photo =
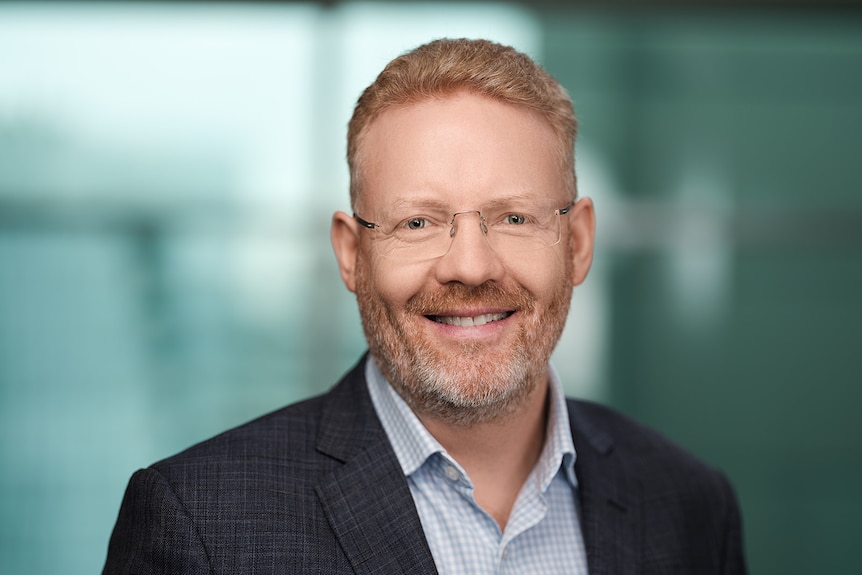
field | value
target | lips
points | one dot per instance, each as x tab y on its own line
459	305
469	321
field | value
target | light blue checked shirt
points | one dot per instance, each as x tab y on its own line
543	533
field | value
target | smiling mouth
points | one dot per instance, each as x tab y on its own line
469	321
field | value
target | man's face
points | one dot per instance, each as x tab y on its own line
464	337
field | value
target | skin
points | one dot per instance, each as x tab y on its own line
480	390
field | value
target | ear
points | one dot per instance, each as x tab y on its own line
582	229
345	242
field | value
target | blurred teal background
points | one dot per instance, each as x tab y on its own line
167	174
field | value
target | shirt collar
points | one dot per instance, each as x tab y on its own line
559	450
413	444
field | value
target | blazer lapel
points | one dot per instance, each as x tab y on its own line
610	497
367	500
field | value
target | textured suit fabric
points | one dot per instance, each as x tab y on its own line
316	488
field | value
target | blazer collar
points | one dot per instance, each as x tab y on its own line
367	500
610	496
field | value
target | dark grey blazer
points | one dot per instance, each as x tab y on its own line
316	488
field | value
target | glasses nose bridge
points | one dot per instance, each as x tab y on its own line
453	228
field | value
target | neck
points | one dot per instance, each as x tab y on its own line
500	454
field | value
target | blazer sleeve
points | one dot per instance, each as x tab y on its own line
734	554
154	534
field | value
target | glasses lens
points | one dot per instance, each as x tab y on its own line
526	228
415	237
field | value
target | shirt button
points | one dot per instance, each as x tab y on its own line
505	554
452	473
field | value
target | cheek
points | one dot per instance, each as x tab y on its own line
397	283
543	275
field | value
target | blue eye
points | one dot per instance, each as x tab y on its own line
515	219
415	223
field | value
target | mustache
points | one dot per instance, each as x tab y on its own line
488	294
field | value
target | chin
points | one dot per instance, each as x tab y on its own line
467	389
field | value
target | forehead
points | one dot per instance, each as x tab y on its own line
460	150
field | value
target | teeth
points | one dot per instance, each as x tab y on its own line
469	321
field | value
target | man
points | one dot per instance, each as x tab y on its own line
450	448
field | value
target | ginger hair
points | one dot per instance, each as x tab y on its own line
446	66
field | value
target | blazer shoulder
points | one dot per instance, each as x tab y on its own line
291	433
645	448
267	435
691	507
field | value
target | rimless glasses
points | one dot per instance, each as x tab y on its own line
413	234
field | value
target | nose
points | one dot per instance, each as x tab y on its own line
470	260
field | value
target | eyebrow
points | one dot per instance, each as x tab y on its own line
423	202
509	200
435	204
